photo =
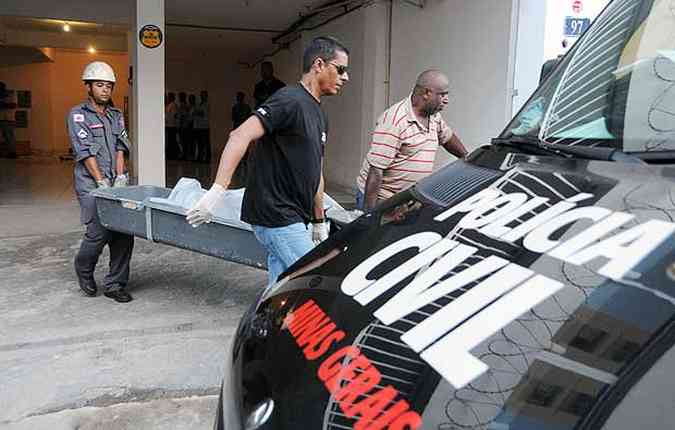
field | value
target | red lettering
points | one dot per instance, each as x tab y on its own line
312	326
358	387
303	309
295	320
388	416
347	373
409	420
331	365
312	351
316	336
370	407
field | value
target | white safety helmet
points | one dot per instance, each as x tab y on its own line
98	71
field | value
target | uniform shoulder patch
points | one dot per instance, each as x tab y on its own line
78	117
82	134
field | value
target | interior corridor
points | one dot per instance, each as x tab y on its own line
37	197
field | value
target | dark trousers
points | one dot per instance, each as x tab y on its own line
7	129
121	247
187	143
203	144
171	145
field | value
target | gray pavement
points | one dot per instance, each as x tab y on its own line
73	362
63	351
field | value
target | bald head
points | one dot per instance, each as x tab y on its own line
430	94
430	80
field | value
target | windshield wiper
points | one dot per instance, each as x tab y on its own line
656	157
585	152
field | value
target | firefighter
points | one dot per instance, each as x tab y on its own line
99	141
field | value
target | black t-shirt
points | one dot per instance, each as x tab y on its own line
285	176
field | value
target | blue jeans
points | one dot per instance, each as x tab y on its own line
284	245
360	199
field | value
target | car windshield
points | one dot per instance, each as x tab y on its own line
614	88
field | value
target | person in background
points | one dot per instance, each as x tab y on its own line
7	121
405	141
184	124
268	85
99	141
200	122
549	65
171	136
189	129
240	110
240	113
284	196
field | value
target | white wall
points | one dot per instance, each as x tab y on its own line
556	11
287	64
468	40
351	114
529	50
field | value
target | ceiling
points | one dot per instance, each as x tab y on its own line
185	20
181	41
259	14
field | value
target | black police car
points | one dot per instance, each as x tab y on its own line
530	286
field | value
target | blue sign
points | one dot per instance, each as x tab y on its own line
574	27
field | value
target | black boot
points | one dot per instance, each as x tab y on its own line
87	285
119	296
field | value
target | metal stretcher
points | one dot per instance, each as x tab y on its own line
132	210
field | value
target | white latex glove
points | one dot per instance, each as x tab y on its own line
202	212
319	232
121	181
103	183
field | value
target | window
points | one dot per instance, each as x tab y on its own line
588	339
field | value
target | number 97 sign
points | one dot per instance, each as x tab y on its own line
574	27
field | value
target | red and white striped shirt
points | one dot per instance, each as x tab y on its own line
403	148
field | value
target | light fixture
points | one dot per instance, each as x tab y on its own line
92	50
66	27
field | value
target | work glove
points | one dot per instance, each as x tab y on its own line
203	211
121	181
103	183
319	232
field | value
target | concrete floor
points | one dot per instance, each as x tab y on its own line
72	362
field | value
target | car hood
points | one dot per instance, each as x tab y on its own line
480	277
612	220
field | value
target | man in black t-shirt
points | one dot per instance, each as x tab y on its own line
285	189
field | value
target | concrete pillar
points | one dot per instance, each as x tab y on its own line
147	101
528	35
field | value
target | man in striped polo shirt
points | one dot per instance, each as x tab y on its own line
405	141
